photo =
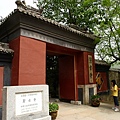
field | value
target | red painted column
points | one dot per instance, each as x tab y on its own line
1	84
76	76
29	61
86	76
85	69
82	67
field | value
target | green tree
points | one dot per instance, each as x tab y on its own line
77	12
100	17
108	49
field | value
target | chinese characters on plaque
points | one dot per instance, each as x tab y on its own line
28	102
90	69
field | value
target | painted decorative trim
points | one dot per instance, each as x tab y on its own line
54	40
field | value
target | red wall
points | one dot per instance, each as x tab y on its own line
66	77
29	65
1	84
29	62
80	68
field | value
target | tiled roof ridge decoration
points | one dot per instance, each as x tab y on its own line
26	9
4	48
22	6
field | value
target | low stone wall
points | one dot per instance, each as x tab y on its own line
113	74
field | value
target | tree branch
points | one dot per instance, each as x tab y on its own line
111	27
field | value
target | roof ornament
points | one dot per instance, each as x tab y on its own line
24	3
1	18
4	48
21	6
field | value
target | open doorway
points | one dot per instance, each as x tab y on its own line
52	76
60	76
60	72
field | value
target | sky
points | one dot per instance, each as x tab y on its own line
7	6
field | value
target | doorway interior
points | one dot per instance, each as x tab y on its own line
52	75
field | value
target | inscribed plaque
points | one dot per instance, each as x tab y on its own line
29	102
90	69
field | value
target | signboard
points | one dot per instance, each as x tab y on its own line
90	68
29	102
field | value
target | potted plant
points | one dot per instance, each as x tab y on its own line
95	100
53	109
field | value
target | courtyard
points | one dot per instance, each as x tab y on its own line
69	111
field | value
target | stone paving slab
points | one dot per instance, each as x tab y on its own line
69	111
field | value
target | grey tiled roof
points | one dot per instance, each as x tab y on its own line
36	13
4	48
101	62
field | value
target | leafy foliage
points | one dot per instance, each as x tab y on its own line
108	48
77	12
53	107
95	100
95	97
100	17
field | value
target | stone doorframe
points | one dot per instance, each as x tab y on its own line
87	90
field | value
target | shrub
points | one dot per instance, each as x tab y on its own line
53	107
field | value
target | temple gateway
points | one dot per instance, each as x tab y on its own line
27	38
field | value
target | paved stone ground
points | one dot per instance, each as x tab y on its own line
69	111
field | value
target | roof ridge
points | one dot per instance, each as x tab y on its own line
23	8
